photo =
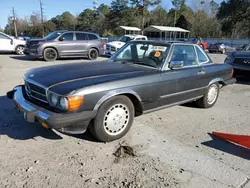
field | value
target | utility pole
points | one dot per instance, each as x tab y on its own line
14	21
41	8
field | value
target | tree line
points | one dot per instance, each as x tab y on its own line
205	18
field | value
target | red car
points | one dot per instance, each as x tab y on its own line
198	40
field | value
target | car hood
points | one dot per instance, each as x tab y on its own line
117	44
77	75
241	54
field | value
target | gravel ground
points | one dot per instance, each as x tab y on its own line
172	147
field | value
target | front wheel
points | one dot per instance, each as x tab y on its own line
50	54
211	96
113	120
19	50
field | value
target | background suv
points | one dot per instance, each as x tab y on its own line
66	44
10	44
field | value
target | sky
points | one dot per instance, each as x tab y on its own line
25	8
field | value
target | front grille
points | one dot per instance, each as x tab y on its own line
31	44
36	92
242	61
110	48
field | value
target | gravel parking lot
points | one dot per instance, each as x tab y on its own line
173	147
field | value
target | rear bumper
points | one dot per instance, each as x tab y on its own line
70	122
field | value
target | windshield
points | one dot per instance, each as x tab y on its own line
125	39
143	53
53	35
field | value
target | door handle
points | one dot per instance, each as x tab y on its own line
201	72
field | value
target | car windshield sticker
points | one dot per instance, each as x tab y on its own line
157	54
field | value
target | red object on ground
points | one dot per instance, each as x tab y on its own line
242	140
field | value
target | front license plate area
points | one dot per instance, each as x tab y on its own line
30	117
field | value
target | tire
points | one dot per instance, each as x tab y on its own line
50	54
19	50
113	111
212	92
93	54
210	51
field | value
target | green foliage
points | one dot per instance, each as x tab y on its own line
206	18
236	22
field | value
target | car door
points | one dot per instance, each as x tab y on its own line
66	44
206	66
6	43
182	84
81	43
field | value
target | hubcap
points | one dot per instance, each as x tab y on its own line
212	94
93	54
20	50
51	54
116	119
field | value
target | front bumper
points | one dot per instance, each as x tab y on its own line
74	123
36	52
241	67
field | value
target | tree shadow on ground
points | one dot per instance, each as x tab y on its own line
227	147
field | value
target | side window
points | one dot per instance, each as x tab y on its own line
92	37
185	53
68	36
201	57
3	36
143	39
81	36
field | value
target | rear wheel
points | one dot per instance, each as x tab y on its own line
19	50
113	120
211	96
93	54
50	54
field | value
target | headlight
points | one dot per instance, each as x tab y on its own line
54	99
64	104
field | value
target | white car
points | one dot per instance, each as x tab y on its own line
113	46
10	44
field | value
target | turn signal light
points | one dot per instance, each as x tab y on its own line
74	102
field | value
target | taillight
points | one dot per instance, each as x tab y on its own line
103	44
232	73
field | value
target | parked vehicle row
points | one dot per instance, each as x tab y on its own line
143	76
221	48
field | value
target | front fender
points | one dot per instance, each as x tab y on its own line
115	93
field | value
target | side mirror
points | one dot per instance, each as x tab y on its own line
176	64
61	39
